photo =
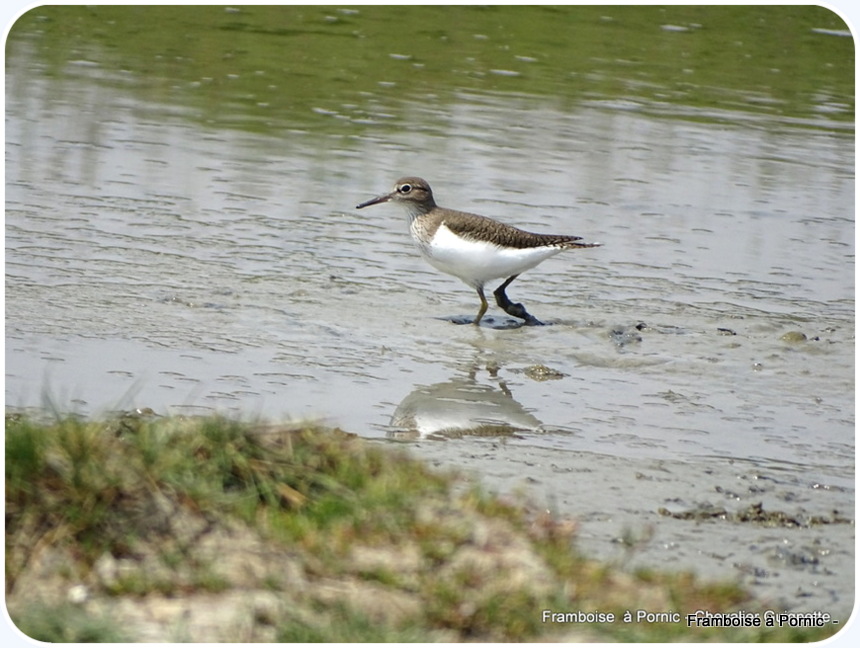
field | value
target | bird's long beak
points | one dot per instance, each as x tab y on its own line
375	201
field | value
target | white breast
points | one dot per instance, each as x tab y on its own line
476	262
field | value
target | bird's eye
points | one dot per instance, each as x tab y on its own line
404	188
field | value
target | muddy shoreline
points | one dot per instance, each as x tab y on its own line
666	514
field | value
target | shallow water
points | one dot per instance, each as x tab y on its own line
162	256
223	276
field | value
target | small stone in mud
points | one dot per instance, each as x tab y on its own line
701	512
622	335
793	337
725	331
542	372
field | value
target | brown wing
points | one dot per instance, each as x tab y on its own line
481	228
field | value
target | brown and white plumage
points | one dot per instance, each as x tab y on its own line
474	248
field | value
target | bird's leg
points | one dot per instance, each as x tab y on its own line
517	310
483	308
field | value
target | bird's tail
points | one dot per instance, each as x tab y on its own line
568	245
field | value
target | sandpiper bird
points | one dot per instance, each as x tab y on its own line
474	248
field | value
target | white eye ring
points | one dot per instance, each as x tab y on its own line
404	188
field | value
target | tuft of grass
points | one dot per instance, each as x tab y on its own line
93	484
66	623
502	615
342	624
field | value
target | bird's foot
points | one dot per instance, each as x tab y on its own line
516	310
